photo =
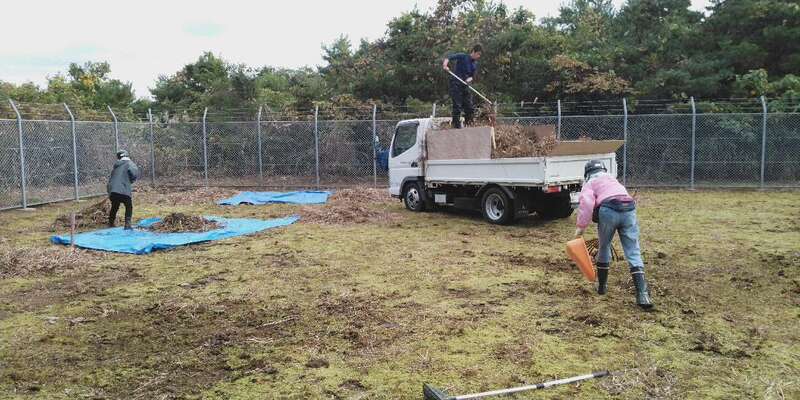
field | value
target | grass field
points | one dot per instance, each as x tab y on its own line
372	310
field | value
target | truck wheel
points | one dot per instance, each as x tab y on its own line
412	197
555	207
497	207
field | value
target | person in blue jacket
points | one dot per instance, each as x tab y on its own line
464	66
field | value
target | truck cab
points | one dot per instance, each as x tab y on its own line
502	189
405	153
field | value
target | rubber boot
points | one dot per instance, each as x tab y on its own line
642	293
128	225
602	277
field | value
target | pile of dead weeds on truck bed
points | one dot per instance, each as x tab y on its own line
515	139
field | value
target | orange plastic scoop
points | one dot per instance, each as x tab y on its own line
577	251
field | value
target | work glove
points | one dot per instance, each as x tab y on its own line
579	232
469	80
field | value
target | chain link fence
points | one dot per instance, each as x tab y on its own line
670	150
96	146
10	184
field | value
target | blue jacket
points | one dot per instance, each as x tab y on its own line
463	66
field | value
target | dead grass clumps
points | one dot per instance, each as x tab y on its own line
516	140
179	222
182	196
94	216
38	261
656	382
350	206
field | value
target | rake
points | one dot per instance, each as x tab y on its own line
432	393
593	245
470	87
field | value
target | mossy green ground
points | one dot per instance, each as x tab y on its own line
375	310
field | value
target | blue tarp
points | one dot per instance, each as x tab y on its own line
140	241
258	198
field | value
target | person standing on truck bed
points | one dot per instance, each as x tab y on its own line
604	200
464	66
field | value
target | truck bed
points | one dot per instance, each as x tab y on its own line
533	171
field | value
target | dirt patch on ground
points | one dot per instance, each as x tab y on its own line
282	258
521	289
362	321
83	281
39	261
179	222
352	384
317	363
517	352
94	216
351	206
181	347
525	260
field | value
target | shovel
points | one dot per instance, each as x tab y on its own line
432	393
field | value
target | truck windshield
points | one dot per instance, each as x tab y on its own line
404	138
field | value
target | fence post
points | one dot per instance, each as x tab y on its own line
22	183
763	141
625	143
152	148
74	150
260	161
316	141
433	112
375	142
558	128
694	142
116	130
205	147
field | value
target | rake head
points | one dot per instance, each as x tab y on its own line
593	245
432	393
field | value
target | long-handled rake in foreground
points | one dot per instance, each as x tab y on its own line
432	393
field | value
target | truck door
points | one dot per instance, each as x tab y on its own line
404	155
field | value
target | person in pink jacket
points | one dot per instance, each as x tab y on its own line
605	201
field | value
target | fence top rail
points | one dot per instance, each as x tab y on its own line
530	108
384	120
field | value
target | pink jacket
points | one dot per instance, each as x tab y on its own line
594	192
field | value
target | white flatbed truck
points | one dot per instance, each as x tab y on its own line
502	189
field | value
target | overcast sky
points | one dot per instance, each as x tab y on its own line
145	38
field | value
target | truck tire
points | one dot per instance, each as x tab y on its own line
555	207
413	197
497	207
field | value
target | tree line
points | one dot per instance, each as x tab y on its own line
590	51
